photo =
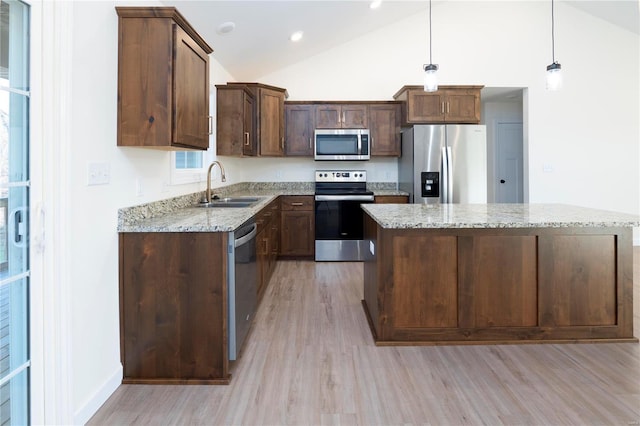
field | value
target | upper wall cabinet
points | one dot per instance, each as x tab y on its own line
449	104
381	117
163	80
299	121
342	116
269	119
235	121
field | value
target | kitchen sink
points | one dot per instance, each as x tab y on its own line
237	202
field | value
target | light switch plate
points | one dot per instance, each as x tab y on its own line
98	173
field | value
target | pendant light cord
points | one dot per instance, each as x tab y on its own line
553	38
430	61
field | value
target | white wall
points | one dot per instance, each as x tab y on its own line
495	44
92	215
587	133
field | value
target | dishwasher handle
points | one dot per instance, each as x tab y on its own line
246	238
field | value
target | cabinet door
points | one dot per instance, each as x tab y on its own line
355	116
462	106
297	233
299	127
384	122
249	146
425	107
191	93
271	123
328	117
230	121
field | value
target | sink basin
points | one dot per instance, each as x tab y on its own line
237	202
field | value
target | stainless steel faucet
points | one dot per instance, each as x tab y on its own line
222	177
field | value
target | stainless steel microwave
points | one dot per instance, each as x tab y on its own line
342	144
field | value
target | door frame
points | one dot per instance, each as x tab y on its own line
51	47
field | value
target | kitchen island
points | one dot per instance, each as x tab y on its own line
497	273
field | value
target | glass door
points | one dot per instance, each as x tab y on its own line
14	212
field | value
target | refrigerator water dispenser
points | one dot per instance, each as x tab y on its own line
430	183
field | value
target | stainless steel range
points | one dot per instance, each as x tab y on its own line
339	218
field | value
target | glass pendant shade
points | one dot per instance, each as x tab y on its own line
430	78
554	76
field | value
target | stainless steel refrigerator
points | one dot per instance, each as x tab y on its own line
444	163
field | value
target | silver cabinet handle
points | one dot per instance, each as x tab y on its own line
442	104
246	138
210	118
309	143
448	109
296	204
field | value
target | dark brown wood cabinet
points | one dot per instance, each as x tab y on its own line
235	121
267	244
268	116
384	125
297	237
163	80
342	115
449	104
498	285
381	117
299	120
173	308
392	199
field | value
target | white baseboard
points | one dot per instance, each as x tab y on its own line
95	401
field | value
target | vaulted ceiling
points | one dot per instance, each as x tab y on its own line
260	44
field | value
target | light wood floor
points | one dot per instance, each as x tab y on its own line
310	359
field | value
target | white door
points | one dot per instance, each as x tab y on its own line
509	176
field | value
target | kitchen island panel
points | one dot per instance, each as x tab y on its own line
502	295
578	280
498	282
425	278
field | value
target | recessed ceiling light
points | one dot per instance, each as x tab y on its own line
297	36
375	4
226	28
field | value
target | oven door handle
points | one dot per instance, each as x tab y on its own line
344	198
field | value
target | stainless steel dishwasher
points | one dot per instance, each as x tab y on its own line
242	287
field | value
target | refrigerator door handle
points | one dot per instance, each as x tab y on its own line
444	165
449	176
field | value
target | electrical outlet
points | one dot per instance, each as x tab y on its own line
138	188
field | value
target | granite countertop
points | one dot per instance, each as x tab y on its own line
179	214
420	216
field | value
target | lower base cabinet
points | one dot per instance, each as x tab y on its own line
391	199
267	244
297	237
173	308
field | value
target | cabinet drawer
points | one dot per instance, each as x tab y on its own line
297	202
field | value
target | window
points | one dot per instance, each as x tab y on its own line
188	166
188	160
15	365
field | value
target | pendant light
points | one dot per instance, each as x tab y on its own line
554	71
430	69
